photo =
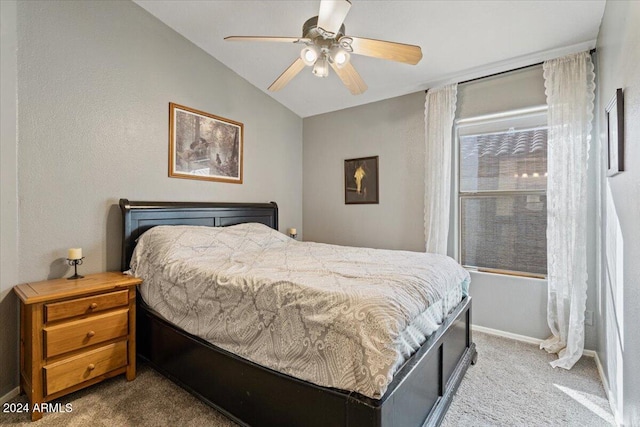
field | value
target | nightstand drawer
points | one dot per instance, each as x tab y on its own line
75	370
85	332
88	305
75	333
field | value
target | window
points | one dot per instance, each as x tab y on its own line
502	194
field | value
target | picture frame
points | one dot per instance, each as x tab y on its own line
361	181
615	134
203	146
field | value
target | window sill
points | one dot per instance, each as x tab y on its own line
506	273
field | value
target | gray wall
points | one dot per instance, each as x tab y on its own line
94	83
8	200
505	92
619	292
394	130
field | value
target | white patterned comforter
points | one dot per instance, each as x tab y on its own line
335	316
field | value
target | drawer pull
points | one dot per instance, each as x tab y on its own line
91	367
93	306
90	334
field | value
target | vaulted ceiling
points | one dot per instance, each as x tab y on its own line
459	40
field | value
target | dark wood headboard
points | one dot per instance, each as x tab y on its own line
138	217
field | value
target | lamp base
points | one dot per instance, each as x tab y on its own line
75	276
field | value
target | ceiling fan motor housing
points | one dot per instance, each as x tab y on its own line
327	46
311	31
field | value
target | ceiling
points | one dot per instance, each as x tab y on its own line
459	40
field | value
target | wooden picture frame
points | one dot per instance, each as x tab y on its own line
361	180
615	134
203	146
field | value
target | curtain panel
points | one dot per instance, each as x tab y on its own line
570	87
439	112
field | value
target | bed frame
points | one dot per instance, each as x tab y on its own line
250	394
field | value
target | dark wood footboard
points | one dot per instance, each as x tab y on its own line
251	394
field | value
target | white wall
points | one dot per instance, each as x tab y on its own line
618	49
94	84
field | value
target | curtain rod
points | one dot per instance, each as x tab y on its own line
591	52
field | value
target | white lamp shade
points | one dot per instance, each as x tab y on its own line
309	55
321	67
339	56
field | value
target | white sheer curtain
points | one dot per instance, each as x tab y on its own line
569	83
439	111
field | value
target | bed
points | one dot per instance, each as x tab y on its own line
251	394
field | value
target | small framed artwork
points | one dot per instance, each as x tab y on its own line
361	180
615	134
204	146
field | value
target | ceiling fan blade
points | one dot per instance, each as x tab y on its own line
350	78
287	75
400	52
332	14
268	39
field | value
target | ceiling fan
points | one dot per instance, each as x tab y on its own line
325	44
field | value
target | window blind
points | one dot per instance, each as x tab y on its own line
502	182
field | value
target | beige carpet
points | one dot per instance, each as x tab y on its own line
512	384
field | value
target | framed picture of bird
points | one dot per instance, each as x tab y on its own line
361	180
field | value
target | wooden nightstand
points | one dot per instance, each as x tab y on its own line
75	333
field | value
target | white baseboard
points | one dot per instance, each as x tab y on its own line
505	334
522	338
607	390
7	397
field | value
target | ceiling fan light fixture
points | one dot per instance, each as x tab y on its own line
321	67
326	45
339	56
309	55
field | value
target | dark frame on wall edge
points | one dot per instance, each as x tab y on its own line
615	134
